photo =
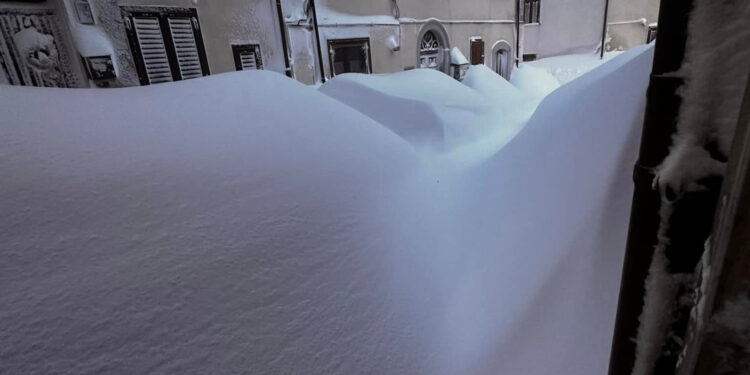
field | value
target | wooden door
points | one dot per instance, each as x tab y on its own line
477	51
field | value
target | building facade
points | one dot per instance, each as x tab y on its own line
114	43
559	27
397	35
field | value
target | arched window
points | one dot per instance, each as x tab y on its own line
432	47
429	49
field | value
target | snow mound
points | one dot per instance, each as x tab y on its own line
457	57
534	82
274	230
501	93
438	115
569	67
562	222
149	230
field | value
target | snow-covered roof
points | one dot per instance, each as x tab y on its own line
458	58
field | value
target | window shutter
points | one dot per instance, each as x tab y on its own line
185	47
247	57
526	12
247	60
154	53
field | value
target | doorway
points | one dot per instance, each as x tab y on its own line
476	50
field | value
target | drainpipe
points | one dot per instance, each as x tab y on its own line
662	107
284	40
317	42
518	31
604	29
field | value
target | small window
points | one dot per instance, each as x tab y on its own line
349	56
529	57
531	11
83	9
247	57
651	34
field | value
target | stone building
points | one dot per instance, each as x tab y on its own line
113	43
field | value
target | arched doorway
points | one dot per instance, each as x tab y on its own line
432	46
502	58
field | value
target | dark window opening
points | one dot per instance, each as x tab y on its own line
247	57
529	57
166	43
531	11
349	56
651	34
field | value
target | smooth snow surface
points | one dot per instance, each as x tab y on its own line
441	117
569	67
499	92
534	82
273	230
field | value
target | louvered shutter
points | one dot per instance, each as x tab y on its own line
247	59
153	50
185	47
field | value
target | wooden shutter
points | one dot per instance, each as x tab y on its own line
185	47
166	43
153	49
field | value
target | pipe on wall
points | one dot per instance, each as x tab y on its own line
604	28
284	40
317	42
518	32
660	120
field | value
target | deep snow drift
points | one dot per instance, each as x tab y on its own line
569	67
273	230
534	82
435	113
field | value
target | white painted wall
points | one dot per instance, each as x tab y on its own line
565	27
626	33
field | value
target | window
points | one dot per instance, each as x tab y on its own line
247	57
651	34
433	47
476	50
166	44
83	9
531	11
429	49
529	57
501	54
349	56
